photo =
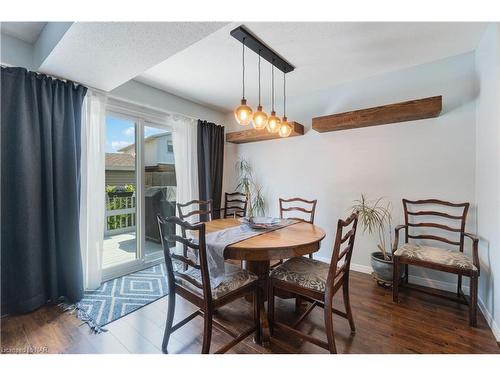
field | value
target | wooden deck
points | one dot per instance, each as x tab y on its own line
121	248
420	323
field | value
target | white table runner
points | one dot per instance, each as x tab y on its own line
216	243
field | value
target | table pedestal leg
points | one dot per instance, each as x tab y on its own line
261	269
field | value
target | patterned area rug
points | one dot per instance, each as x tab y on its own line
121	296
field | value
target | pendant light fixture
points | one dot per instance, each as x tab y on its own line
243	113
259	117
286	127
274	122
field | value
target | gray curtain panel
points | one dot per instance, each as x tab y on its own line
40	172
210	164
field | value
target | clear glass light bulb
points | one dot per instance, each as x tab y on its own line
243	113
273	123
285	128
259	118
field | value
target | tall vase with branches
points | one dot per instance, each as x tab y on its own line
247	185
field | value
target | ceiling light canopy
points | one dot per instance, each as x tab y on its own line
243	113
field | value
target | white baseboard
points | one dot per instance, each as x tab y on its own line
361	268
437	284
422	281
489	319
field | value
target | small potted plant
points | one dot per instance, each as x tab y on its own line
375	218
120	191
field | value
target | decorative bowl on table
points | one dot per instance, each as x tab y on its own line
261	222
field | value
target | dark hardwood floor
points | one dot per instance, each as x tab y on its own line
419	324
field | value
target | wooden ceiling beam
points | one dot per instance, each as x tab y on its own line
254	135
386	114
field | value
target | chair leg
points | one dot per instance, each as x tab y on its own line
185	254
270	308
459	286
169	323
407	274
207	332
298	303
347	304
473	301
256	316
328	314
395	279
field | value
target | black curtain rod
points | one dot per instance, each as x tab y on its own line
3	65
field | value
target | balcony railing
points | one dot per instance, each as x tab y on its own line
120	214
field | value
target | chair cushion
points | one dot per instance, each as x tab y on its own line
234	278
436	255
305	272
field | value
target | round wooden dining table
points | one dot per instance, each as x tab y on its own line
257	252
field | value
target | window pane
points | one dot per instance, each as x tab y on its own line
159	185
120	239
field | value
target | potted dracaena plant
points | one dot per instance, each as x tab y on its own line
247	185
375	219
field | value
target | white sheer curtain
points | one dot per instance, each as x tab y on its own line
184	138
92	208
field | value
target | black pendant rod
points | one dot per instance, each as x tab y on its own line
243	68
255	44
284	95
272	88
259	78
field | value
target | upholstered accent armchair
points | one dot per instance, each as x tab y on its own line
448	257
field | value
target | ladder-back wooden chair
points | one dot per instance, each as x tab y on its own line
204	210
420	220
298	209
317	282
295	205
235	205
308	207
194	285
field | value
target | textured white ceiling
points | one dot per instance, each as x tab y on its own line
26	31
105	55
325	54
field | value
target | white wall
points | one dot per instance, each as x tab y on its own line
145	95
420	159
488	172
51	34
18	53
15	52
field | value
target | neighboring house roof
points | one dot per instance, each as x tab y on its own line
131	147
120	161
128	148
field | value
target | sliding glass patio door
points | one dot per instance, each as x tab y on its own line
159	187
121	181
140	184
